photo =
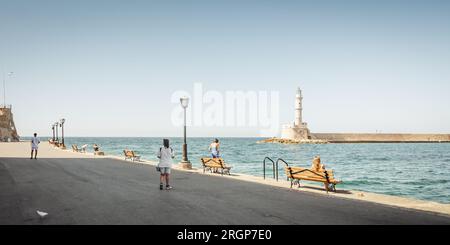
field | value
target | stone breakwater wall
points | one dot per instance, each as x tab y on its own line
380	138
289	141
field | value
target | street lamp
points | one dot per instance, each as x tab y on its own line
184	101
62	121
56	130
4	87
53	130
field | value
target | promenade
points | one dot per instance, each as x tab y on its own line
78	188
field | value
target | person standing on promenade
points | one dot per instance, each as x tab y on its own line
34	146
165	155
214	148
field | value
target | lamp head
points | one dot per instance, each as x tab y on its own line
184	102
62	120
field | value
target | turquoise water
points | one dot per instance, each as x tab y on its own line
420	171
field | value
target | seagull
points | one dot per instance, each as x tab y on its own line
42	214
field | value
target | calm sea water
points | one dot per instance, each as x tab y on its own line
420	171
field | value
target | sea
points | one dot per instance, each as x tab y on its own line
414	170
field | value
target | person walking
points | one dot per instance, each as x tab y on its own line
165	155
34	146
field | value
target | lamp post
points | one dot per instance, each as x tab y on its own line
56	130
184	101
4	87
62	121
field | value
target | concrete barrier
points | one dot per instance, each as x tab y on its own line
380	138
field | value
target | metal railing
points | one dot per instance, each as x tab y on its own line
278	160
264	167
275	167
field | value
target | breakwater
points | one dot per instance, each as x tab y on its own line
380	138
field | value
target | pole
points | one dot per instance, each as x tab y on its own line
62	133
185	125
57	139
53	129
185	158
4	85
4	90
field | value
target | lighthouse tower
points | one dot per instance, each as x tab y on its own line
299	129
298	108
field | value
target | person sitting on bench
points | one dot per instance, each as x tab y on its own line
316	165
97	150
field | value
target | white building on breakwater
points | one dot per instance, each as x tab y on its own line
298	130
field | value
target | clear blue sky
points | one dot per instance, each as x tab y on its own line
110	67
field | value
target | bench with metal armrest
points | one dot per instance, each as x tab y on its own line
212	164
131	155
295	174
75	148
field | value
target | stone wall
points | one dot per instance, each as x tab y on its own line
349	137
295	133
7	128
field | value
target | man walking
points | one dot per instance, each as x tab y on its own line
34	146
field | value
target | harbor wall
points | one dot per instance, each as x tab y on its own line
380	138
295	133
7	128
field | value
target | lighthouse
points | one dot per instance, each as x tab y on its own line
299	129
298	108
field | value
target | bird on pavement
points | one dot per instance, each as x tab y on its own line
41	214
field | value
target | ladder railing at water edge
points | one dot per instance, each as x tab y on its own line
264	167
276	166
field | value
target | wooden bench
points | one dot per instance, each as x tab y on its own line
75	148
97	151
131	155
215	163
295	174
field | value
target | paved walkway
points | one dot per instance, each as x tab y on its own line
109	191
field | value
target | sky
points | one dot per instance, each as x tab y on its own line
111	68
